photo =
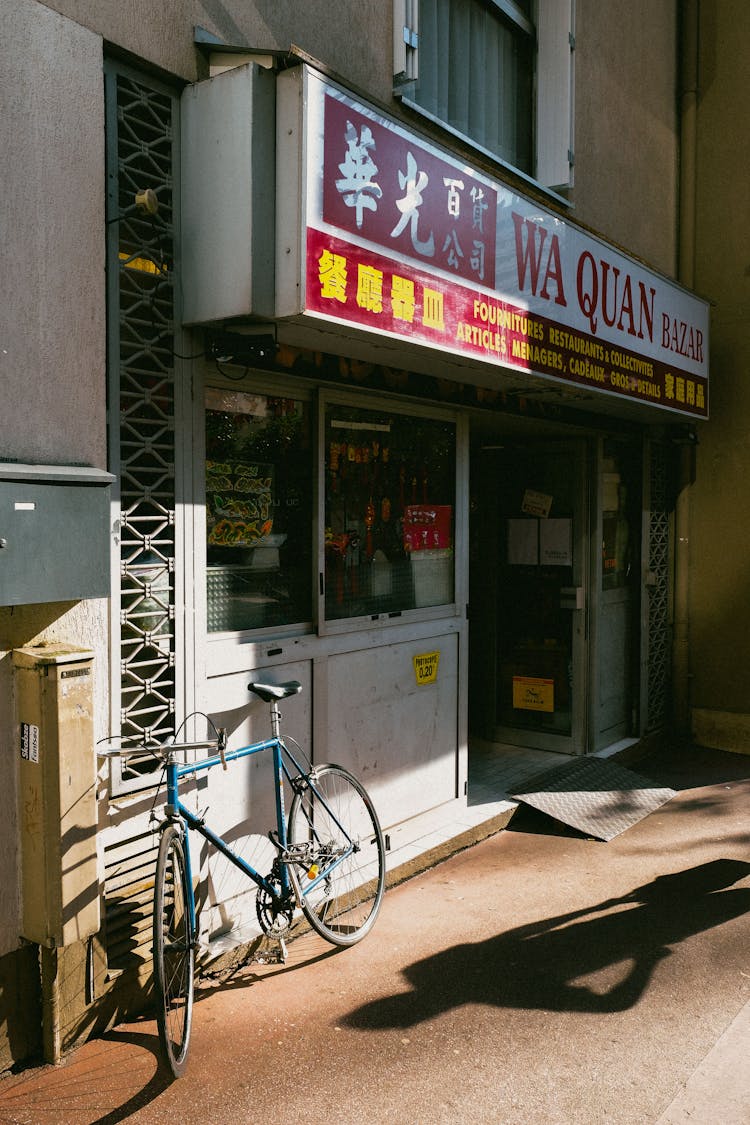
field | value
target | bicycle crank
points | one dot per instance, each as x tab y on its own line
274	913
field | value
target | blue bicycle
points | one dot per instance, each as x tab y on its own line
329	863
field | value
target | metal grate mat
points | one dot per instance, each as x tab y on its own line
597	797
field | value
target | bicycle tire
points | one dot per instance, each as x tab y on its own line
174	953
343	907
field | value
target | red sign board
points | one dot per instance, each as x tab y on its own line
349	283
403	239
427	527
387	188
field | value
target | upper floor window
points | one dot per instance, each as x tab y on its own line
496	72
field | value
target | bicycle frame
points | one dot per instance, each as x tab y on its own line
310	848
177	812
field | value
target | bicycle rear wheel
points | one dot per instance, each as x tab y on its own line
335	817
174	954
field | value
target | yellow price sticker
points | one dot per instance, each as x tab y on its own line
533	694
426	667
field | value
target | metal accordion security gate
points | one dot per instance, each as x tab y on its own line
659	563
142	128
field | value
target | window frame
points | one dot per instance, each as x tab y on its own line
552	84
262	383
337	626
320	398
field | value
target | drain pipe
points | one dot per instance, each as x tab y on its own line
688	108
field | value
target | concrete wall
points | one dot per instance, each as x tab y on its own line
719	578
357	46
626	137
52	325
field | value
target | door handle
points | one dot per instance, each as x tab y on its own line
571	597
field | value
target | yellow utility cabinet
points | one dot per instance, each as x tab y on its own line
57	794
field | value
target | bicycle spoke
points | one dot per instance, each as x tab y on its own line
173	952
346	873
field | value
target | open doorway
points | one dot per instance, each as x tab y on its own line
527	612
554	593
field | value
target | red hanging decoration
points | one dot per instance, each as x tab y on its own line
369	523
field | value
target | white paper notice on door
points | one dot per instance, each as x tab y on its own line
536	503
556	542
523	542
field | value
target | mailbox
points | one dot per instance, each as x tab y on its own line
54	533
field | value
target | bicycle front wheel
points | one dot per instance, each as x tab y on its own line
344	858
174	954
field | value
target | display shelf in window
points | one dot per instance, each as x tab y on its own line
390	487
258	510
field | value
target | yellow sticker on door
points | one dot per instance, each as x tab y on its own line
426	667
532	694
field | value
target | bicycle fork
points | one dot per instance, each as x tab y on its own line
173	817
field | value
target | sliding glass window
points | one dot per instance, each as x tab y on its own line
258	510
390	487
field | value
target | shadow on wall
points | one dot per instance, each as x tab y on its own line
267	22
20	1007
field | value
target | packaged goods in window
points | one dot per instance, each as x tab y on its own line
381	579
389	488
239	503
432	574
427	527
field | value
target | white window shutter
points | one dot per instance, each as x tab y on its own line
554	78
405	40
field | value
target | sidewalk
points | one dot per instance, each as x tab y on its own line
537	976
719	1088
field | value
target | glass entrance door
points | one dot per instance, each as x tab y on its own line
537	517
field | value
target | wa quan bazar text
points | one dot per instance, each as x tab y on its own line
409	243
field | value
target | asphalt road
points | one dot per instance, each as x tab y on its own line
538	977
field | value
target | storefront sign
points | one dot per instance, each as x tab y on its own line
403	239
531	694
426	667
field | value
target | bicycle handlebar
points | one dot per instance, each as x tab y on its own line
163	750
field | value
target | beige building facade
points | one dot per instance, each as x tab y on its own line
719	660
288	417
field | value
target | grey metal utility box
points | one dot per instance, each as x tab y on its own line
54	533
229	196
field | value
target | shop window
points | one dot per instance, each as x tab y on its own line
498	73
258	510
390	484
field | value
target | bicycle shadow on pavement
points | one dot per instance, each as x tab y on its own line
541	965
303	952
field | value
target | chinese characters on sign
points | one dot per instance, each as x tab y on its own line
239	503
405	240
367	287
394	192
357	186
